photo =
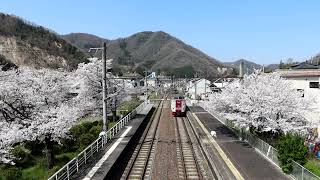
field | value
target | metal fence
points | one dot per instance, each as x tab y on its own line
299	172
81	159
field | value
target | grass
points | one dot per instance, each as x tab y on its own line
127	106
111	124
313	165
37	170
154	95
40	170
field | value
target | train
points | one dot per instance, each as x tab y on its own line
178	106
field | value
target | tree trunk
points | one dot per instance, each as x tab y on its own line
49	150
114	111
114	115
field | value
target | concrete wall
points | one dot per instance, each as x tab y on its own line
202	88
314	93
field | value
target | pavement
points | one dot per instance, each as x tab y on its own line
249	162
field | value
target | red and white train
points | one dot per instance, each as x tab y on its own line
178	106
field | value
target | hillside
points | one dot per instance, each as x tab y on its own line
271	67
25	44
84	41
248	65
157	51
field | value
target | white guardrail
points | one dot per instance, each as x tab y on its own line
81	159
299	172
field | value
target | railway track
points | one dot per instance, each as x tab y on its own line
141	162
209	168
188	159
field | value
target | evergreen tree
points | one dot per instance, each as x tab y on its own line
281	65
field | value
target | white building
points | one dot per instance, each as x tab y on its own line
305	78
198	88
151	80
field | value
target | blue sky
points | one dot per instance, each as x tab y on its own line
260	31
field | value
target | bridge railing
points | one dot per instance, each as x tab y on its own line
299	172
82	158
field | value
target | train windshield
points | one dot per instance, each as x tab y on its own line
178	97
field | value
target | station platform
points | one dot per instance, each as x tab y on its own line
104	164
146	110
248	161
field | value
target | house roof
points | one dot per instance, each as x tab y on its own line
218	85
304	65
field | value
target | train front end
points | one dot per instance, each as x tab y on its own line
178	106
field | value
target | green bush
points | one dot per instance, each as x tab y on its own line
10	173
291	147
36	147
68	145
85	133
86	139
80	129
20	151
95	130
22	154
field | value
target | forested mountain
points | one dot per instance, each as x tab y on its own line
84	41
249	66
157	51
25	44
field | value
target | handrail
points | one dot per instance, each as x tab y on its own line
77	162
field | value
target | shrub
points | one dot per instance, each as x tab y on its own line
85	133
85	140
291	147
79	129
36	147
95	130
21	153
68	145
10	173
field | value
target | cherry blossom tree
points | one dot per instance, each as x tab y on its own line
44	104
89	76
36	104
263	101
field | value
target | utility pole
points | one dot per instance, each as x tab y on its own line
145	78
205	86
205	82
195	90
114	110
104	90
146	84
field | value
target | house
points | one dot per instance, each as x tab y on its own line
216	86
198	88
151	80
305	78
